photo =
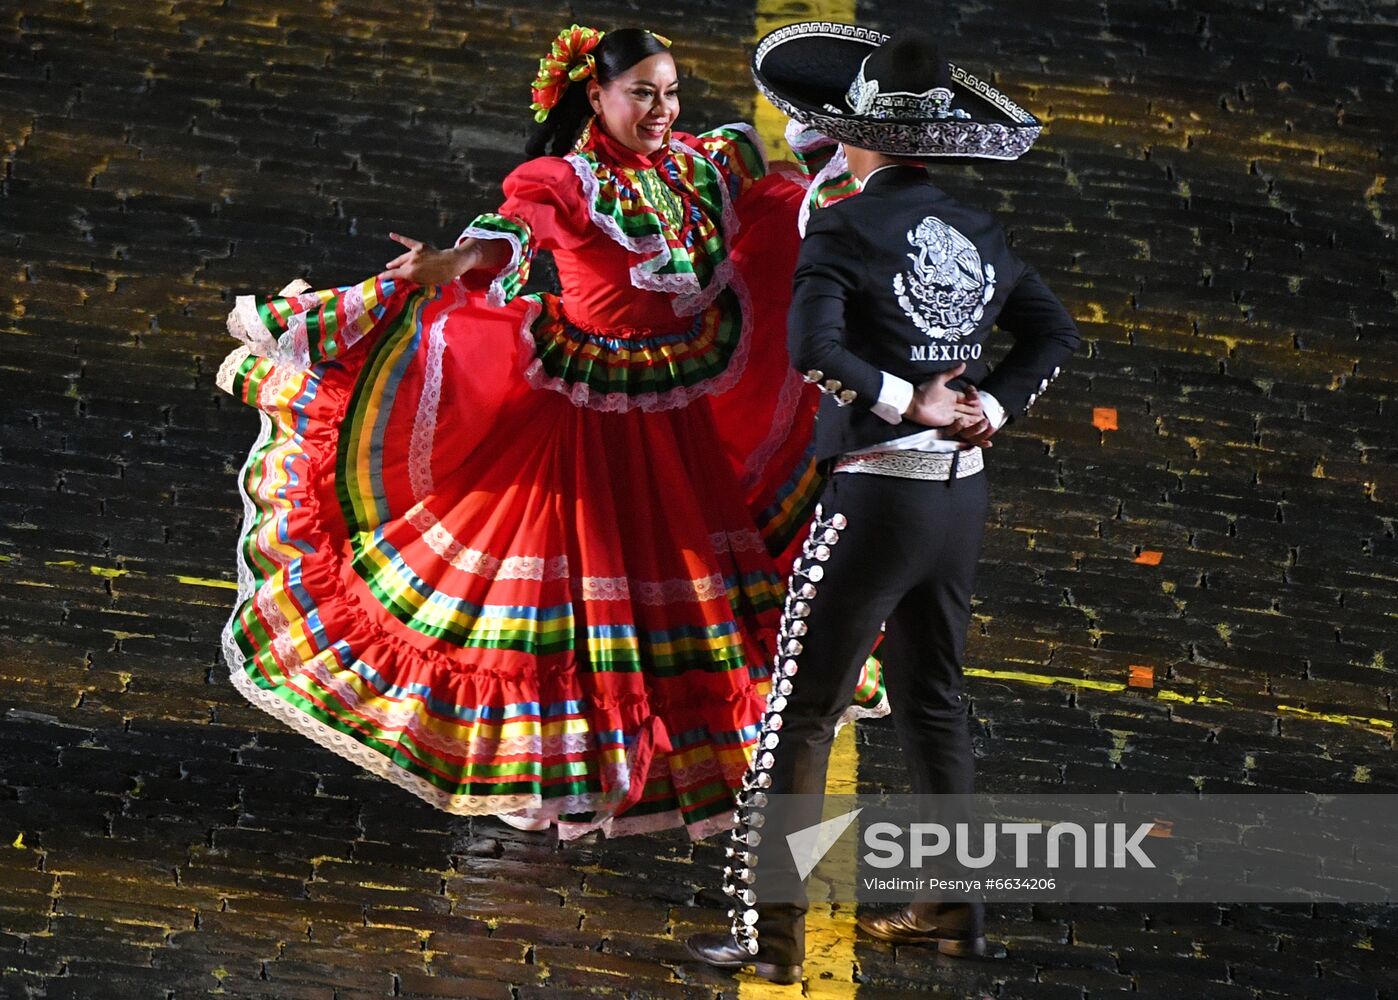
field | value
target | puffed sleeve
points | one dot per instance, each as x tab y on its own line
812	149
543	209
822	161
738	153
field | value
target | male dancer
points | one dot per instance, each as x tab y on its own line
896	292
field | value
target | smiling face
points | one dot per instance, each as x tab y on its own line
639	106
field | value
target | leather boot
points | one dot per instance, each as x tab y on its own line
957	929
723	951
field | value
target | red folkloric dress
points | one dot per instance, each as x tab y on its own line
523	553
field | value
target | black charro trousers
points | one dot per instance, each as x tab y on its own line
906	561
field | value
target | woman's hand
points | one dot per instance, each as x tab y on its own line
427	265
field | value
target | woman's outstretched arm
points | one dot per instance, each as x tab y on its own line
427	265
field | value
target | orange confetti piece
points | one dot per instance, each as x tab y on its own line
1104	418
1162	828
1150	558
1141	676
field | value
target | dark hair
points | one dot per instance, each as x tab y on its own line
617	52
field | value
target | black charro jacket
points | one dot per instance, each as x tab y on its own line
904	279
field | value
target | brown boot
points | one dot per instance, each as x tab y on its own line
956	931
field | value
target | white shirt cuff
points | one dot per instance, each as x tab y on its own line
994	412
895	394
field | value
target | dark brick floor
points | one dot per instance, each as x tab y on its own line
1214	199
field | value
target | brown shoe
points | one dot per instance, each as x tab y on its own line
904	927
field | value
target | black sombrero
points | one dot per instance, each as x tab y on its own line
901	98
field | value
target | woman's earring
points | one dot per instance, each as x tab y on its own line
585	136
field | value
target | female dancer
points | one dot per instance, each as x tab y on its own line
523	554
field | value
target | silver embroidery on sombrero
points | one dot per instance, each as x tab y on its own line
923	137
740	873
866	99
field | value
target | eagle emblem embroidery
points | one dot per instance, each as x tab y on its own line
947	289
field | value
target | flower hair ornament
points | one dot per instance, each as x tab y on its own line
569	60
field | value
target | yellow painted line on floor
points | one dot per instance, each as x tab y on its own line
1044	679
830	928
199	581
1335	719
113	573
1191	699
1047	680
829	932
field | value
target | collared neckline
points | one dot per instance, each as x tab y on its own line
624	155
921	171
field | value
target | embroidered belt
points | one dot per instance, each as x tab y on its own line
936	465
